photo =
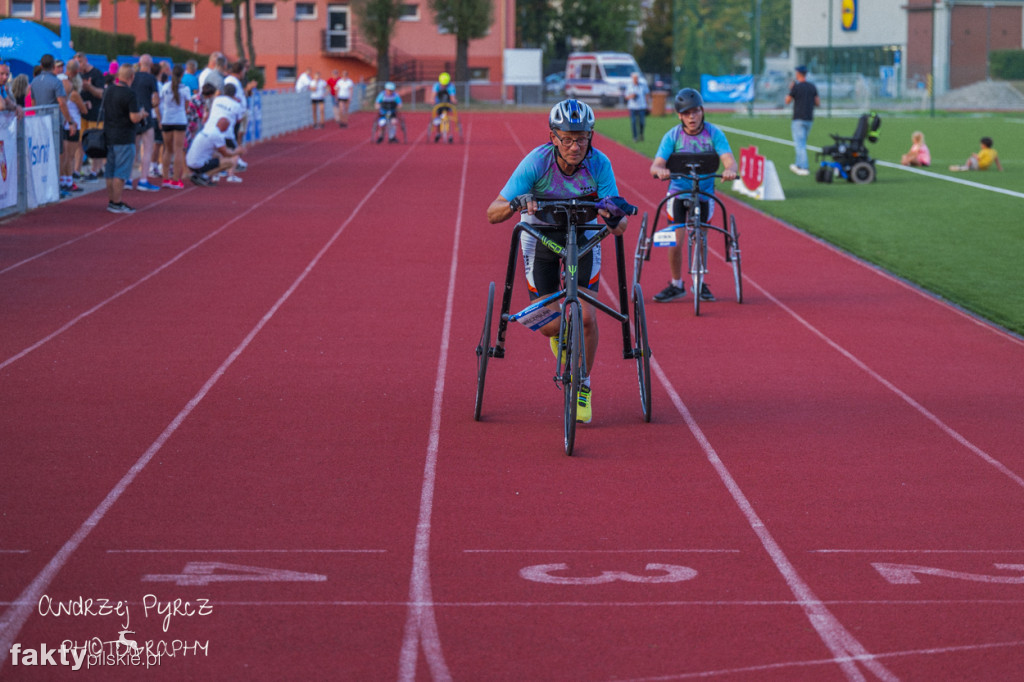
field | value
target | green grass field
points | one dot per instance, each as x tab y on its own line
963	243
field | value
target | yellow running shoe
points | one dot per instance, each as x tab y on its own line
554	348
583	413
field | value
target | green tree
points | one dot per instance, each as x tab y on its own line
535	21
655	51
377	19
467	20
605	24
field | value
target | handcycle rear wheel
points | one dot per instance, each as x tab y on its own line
734	257
571	368
696	261
642	351
483	352
643	251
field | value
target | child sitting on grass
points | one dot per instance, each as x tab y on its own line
918	154
983	160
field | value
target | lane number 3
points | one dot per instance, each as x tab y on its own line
660	573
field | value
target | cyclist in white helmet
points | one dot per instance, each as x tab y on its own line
565	167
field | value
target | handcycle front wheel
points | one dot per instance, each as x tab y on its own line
643	250
696	260
483	352
642	351
571	362
734	257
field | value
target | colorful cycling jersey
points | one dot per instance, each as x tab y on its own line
444	94
538	174
709	139
388	101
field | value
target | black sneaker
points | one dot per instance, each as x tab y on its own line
198	179
113	208
705	293
125	208
670	293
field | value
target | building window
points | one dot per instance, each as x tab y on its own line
183	10
285	74
23	9
85	10
154	13
409	12
305	10
51	8
478	74
264	10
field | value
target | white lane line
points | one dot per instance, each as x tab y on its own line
881	550
421	623
823	662
99	229
75	320
246	551
600	551
15	616
847	651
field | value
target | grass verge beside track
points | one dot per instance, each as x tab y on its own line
961	241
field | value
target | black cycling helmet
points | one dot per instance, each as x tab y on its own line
687	99
571	115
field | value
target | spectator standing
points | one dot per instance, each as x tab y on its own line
317	93
121	111
638	101
8	101
20	90
804	97
226	106
197	111
343	95
145	87
190	77
93	82
174	96
242	92
72	83
303	81
47	90
215	71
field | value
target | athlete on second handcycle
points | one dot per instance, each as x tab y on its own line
444	103
692	135
566	167
388	103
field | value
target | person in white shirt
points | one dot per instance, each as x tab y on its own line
317	93
638	101
305	78
174	95
209	154
342	95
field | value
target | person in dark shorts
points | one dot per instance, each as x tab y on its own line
121	112
565	167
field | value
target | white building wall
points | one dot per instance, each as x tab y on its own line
879	22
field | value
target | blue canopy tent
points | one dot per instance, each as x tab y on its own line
23	43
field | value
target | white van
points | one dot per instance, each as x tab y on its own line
599	75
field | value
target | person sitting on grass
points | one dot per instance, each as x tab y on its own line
918	154
983	160
209	153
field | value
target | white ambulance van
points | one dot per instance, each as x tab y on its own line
601	76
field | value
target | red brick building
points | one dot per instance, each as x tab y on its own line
320	34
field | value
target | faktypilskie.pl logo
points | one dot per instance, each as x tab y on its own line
126	649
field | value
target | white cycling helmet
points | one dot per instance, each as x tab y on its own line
389	86
571	115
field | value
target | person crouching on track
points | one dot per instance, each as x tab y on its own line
209	153
693	136
565	167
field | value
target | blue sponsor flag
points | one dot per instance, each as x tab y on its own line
65	26
729	89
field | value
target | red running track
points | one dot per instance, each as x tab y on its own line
258	399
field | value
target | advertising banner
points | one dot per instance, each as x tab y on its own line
42	158
730	89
